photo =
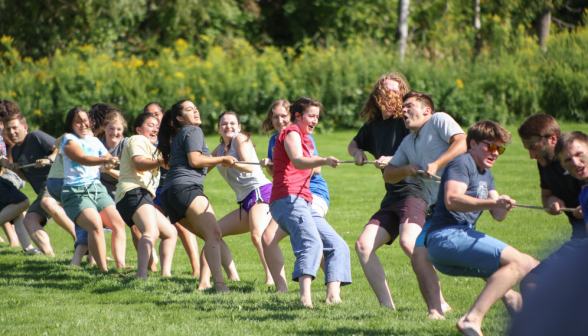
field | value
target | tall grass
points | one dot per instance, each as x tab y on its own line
504	86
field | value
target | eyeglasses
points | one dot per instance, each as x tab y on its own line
492	147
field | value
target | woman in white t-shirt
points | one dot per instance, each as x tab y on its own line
85	200
138	180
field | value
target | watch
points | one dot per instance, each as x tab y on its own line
48	158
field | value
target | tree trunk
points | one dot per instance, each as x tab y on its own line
402	31
542	26
477	26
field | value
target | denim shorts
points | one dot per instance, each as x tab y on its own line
462	251
311	237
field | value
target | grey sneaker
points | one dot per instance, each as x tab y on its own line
33	250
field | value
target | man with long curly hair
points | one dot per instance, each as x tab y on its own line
403	209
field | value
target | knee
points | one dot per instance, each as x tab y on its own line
24	205
256	239
407	244
363	248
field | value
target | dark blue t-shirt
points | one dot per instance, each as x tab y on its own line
462	169
564	186
318	185
584	203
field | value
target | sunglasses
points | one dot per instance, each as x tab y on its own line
492	147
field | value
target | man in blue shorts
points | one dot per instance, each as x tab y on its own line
455	247
434	141
559	189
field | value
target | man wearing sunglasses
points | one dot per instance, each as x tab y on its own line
455	247
559	189
434	141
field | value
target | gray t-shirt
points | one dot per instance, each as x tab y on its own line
426	146
36	145
242	183
107	180
189	139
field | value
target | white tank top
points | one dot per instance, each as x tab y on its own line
242	183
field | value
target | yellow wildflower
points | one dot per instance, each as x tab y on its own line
179	75
459	83
6	39
192	97
203	98
38	112
208	65
216	104
202	81
254	85
13	94
98	83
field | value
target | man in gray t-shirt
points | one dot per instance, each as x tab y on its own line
434	141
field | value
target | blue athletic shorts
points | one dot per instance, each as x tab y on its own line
420	241
462	251
567	251
157	200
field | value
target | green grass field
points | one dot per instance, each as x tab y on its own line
42	295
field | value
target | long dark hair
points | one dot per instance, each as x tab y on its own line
141	119
247	134
68	126
168	129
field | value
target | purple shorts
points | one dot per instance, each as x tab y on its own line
262	193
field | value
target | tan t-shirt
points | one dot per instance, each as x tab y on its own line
130	178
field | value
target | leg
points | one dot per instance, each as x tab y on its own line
55	210
136	236
337	259
201	217
111	219
514	265
167	247
79	253
145	220
32	222
89	219
372	238
226	261
304	281
407	237
429	283
22	233
259	219
273	255
191	246
11	234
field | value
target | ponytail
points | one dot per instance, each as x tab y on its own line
168	129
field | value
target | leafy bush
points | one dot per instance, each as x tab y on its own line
504	86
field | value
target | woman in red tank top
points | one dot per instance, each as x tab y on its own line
291	206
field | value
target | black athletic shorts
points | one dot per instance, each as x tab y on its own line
132	200
177	199
9	194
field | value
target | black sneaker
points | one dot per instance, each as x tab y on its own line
32	251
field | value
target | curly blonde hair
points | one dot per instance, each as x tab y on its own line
382	99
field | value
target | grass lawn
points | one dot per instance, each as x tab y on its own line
42	295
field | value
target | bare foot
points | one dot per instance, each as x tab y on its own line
153	268
109	259
140	277
280	289
269	281
333	299
306	302
435	315
204	285
221	287
1	240
513	302
234	277
195	274
75	265
125	267
445	307
468	328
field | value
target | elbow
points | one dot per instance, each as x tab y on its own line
389	178
297	164
449	204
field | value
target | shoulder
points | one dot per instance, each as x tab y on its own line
240	138
461	161
135	139
67	137
192	130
